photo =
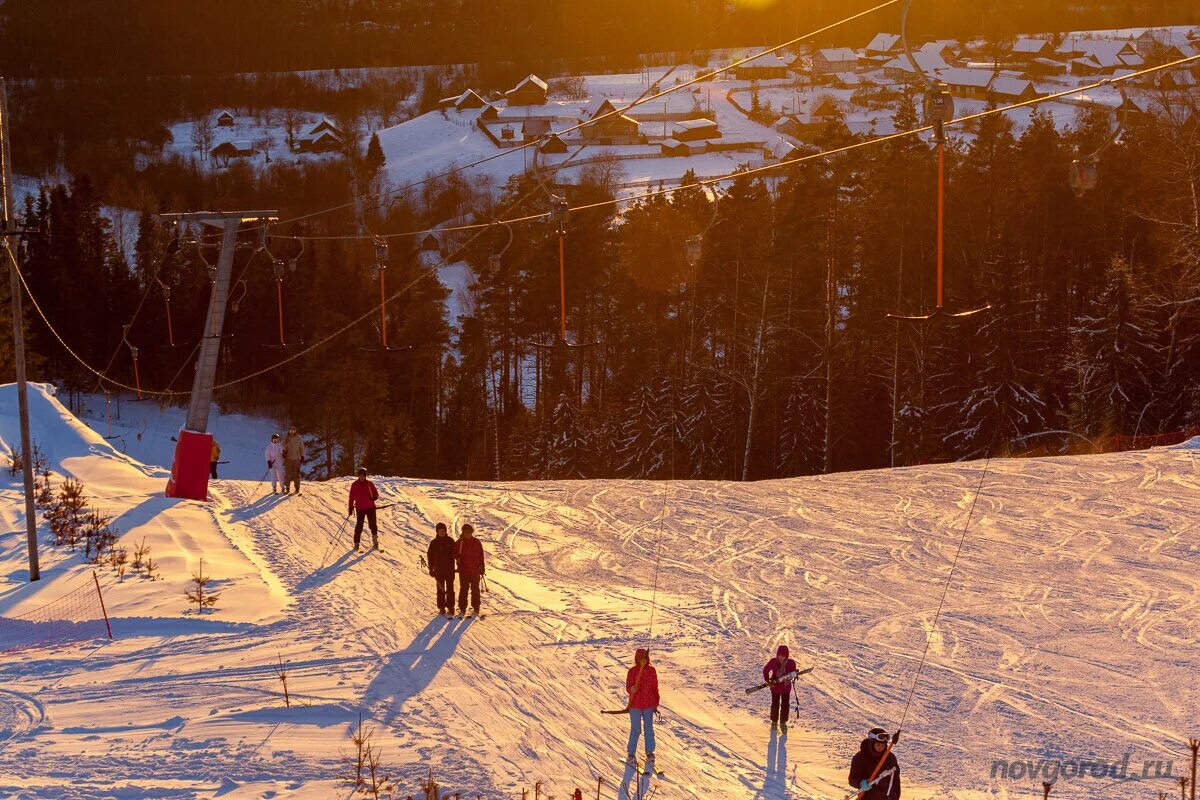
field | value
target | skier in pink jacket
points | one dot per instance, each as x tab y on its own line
776	673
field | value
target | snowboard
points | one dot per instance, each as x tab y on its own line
790	676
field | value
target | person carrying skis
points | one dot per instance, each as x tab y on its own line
363	495
274	456
641	683
886	783
468	552
293	457
776	673
440	558
214	455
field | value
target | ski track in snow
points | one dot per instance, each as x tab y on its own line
1070	630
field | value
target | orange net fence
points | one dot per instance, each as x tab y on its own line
77	615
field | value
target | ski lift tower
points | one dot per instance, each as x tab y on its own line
189	470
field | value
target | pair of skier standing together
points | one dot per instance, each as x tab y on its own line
283	461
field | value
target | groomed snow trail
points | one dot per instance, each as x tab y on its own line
1070	631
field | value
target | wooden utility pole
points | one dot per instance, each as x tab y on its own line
9	229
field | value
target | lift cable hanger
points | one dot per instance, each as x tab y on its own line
938	109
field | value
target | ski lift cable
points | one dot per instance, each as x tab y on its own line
707	182
171	248
938	613
646	98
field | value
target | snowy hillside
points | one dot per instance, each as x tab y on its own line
1070	631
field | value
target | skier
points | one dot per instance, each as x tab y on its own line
886	785
363	495
293	456
214	457
440	558
781	690
274	456
468	552
642	685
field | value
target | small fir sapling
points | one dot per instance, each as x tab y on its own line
199	593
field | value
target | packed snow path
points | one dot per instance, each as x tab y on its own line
1070	631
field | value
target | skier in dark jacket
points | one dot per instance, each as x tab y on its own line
363	495
886	785
440	558
781	688
468	552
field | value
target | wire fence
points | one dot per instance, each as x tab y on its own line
77	615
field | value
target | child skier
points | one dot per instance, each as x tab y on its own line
274	456
780	673
642	685
886	784
363	495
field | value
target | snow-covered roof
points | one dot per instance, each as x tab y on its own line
317	136
1030	46
847	78
695	124
1010	87
961	76
600	106
833	54
241	145
883	43
927	61
535	81
1106	52
770	61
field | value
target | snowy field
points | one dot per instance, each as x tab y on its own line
1070	631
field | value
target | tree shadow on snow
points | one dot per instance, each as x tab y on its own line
409	671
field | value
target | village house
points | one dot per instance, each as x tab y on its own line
224	152
324	141
463	102
900	69
834	59
884	45
695	130
225	120
1026	50
610	127
535	128
966	82
531	91
764	68
553	145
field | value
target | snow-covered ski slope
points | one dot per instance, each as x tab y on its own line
1070	630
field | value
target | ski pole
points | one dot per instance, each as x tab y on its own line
258	486
332	540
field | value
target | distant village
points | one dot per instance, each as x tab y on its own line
767	108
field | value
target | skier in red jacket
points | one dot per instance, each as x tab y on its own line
468	552
781	687
363	495
642	685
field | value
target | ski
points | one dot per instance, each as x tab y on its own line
624	710
791	676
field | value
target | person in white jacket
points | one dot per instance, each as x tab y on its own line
274	456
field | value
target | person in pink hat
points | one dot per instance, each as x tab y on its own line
780	672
